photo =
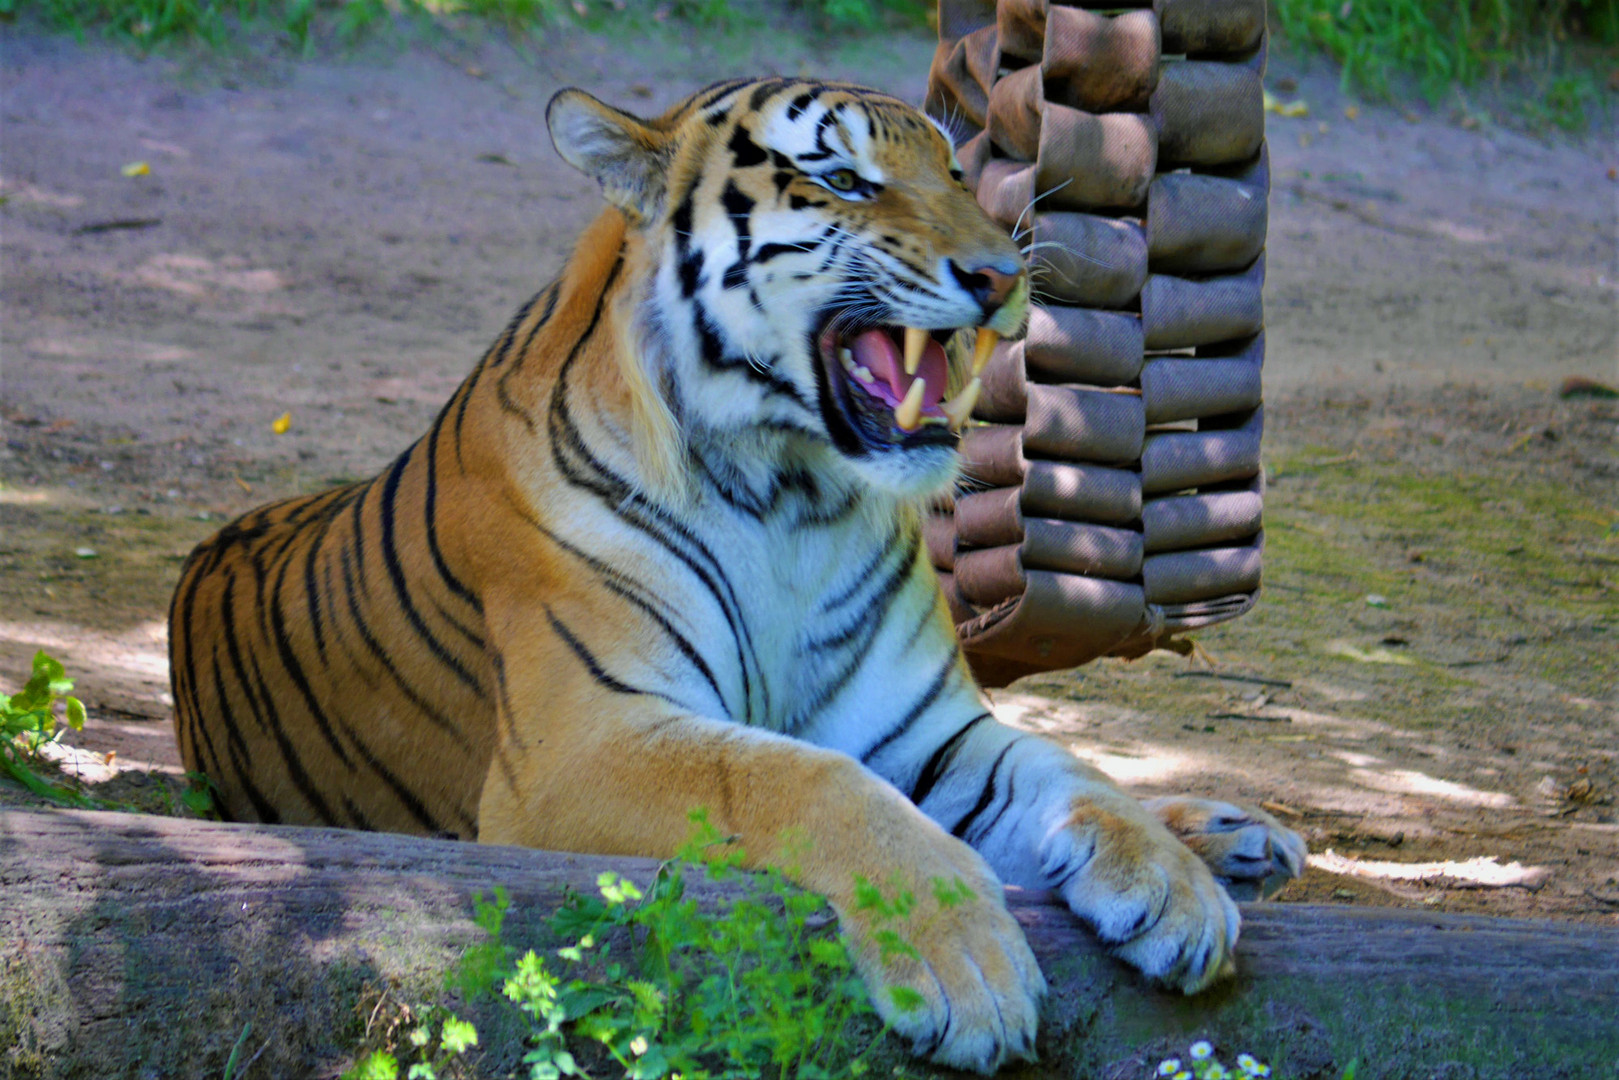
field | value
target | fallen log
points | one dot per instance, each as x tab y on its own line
138	946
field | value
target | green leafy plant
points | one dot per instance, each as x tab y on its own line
652	986
1459	43
28	721
198	796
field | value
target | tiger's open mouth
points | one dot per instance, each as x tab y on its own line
883	387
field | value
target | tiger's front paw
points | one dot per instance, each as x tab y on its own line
1143	892
964	986
1251	853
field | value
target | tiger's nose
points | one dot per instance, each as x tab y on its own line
989	285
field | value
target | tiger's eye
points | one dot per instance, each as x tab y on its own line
842	180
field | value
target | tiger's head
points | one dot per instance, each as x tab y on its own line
809	272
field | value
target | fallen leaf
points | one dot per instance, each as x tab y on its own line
243	484
136	168
1351	112
1368	656
475	71
1290	109
641	90
495	159
85	553
282	424
1281	808
1377	601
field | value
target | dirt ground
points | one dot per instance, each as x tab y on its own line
1427	690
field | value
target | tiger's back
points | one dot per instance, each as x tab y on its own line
328	653
329	666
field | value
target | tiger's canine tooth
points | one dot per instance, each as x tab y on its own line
908	413
915	341
987	340
960	407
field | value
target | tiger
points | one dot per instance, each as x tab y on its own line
662	549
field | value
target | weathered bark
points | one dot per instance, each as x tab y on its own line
139	946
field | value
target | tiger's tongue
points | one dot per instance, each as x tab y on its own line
878	353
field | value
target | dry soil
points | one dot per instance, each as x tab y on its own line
1427	689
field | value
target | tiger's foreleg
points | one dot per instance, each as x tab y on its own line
586	762
1043	819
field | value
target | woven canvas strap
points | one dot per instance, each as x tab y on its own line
1113	490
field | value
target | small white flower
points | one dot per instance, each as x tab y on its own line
1201	1050
1216	1072
1169	1067
1262	1071
1182	1075
1247	1063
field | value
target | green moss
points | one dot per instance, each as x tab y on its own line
27	1022
1498	597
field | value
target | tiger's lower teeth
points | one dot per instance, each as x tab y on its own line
907	414
859	371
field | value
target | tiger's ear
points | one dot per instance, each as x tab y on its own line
621	153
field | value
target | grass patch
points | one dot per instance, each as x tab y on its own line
1550	49
306	26
300	25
